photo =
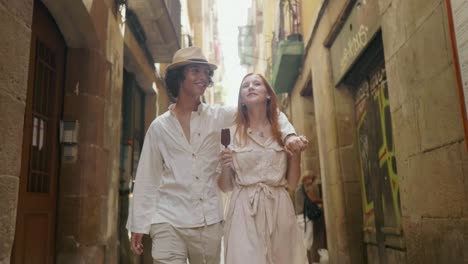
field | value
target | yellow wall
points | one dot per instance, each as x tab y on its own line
202	15
266	36
309	12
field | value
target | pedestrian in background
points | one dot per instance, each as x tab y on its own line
311	187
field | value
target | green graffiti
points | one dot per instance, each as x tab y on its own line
374	127
387	159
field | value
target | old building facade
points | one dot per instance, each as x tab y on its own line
375	90
80	88
203	17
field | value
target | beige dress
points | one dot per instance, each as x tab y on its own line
261	225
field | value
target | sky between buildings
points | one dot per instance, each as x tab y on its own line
231	14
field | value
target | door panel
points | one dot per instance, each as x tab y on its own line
35	226
36	250
379	176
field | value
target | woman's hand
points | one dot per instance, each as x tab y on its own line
225	157
225	181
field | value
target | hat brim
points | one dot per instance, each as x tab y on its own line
179	64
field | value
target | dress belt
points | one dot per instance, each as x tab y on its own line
266	213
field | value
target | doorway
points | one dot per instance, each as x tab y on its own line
379	175
35	223
132	136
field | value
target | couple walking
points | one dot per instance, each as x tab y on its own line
176	198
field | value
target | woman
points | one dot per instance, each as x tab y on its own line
260	223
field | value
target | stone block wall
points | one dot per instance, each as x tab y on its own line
16	19
427	130
87	208
87	216
429	137
333	145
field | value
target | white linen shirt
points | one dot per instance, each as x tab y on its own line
176	180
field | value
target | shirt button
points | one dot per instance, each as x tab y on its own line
193	155
197	178
201	199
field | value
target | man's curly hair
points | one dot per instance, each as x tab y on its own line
176	76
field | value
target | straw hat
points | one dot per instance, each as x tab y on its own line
190	55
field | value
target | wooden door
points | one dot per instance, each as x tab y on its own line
35	226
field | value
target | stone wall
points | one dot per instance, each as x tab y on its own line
334	148
16	19
427	122
87	207
87	216
427	130
303	118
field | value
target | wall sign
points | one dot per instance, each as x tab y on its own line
458	23
357	32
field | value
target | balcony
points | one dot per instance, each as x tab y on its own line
246	45
160	22
287	63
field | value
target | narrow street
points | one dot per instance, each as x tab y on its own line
112	112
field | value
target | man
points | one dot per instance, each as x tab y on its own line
175	197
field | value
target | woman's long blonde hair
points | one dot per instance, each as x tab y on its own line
242	117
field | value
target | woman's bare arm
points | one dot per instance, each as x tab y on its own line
294	171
